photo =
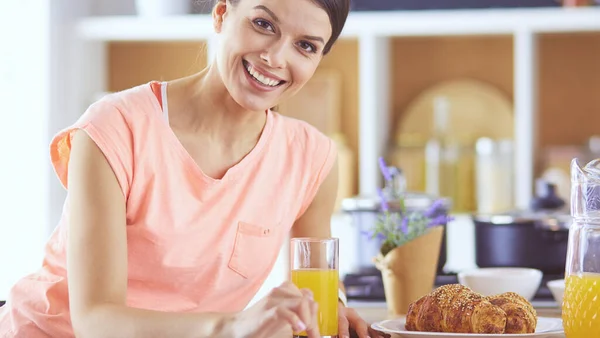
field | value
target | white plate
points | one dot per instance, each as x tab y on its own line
546	328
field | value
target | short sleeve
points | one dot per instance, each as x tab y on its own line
324	154
109	128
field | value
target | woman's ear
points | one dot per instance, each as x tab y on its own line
218	14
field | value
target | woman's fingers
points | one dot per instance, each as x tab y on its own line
299	312
305	311
343	325
315	319
306	308
285	291
307	293
284	313
313	331
296	308
357	323
361	327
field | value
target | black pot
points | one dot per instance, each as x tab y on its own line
533	241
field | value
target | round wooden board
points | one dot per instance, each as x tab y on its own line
477	109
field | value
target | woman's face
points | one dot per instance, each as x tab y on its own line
269	48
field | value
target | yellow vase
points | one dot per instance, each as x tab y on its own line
409	271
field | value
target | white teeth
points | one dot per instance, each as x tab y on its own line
261	78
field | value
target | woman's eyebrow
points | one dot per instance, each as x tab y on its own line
276	19
314	38
270	12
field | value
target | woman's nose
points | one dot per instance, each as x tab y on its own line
274	56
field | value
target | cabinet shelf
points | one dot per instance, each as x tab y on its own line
392	23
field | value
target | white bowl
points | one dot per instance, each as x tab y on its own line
494	281
557	288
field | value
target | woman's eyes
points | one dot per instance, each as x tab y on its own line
266	25
306	46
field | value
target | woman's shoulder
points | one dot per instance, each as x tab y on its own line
129	109
140	98
299	131
115	123
305	142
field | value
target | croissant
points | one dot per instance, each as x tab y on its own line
457	309
521	317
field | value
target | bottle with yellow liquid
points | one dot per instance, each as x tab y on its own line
581	302
314	266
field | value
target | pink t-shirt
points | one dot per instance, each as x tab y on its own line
194	243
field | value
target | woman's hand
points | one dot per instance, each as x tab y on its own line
285	309
350	320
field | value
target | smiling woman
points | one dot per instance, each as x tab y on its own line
275	47
181	194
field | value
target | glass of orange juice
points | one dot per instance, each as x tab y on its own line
581	301
314	266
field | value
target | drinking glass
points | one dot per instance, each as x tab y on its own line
314	266
581	302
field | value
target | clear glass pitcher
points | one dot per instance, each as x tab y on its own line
581	302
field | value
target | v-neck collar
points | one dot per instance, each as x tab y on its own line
234	172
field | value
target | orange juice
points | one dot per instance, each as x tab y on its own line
324	284
581	306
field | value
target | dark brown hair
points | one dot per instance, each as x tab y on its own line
337	10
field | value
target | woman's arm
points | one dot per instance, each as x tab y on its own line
316	220
97	260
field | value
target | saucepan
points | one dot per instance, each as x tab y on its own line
522	239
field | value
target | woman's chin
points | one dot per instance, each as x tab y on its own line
255	104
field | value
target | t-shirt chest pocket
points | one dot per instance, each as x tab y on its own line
255	249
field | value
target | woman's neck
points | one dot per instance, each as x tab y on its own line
202	104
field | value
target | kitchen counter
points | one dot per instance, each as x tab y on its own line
377	311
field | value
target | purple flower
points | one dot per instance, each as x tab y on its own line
384	169
366	233
381	236
434	208
393	171
404	225
384	205
439	220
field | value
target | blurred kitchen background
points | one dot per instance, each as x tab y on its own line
483	102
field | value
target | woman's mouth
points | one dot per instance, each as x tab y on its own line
259	77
